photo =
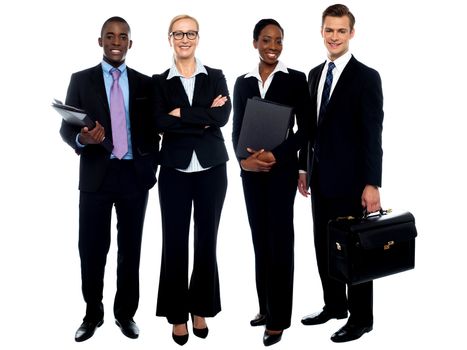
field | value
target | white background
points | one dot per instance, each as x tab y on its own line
418	48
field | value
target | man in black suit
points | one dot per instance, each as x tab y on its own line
345	162
109	178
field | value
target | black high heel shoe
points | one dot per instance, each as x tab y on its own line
199	332
180	339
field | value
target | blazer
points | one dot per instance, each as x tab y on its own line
199	126
87	91
286	88
347	152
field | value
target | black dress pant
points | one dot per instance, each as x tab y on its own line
359	301
120	189
179	192
269	199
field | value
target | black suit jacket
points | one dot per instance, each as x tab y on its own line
347	152
87	91
198	128
286	88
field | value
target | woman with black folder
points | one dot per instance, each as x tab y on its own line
270	177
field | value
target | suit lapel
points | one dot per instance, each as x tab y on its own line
314	79
176	89
253	86
341	88
131	93
344	81
315	82
99	86
278	84
200	82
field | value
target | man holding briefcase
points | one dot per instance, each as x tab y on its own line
344	162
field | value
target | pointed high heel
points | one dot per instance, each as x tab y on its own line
199	332
180	339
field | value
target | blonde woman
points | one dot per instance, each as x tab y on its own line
192	104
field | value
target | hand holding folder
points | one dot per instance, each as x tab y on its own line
265	126
78	117
73	115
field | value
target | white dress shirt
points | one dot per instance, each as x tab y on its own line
340	63
263	88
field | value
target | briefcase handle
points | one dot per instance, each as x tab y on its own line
381	212
366	215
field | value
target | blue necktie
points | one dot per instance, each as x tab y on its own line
326	90
118	117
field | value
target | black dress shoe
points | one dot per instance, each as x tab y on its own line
86	330
322	317
180	339
128	328
350	332
199	332
259	320
270	339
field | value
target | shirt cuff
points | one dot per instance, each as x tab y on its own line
78	143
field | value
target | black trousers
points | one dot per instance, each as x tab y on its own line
359	301
119	189
269	199
179	193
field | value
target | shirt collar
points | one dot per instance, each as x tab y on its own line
341	62
280	67
106	67
200	69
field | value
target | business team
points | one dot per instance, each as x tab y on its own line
339	116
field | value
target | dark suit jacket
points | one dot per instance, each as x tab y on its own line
87	91
289	89
347	149
198	128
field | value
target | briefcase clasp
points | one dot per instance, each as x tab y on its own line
349	217
388	245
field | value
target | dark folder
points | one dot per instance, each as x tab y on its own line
73	115
265	125
78	117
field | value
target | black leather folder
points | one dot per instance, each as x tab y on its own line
78	117
265	126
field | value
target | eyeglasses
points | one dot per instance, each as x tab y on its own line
191	35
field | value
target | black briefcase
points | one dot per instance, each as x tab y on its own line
371	247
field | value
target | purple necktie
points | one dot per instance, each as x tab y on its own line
118	118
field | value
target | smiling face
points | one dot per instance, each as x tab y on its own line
184	48
115	40
269	44
336	33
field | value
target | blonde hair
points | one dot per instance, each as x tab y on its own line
178	18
